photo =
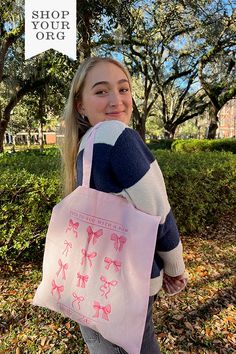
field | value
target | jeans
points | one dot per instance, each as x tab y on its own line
99	345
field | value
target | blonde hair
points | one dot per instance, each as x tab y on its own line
75	126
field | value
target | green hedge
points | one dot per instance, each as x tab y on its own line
163	144
201	188
195	145
29	188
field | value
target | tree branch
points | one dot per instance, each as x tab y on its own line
10	38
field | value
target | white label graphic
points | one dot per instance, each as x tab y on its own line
50	24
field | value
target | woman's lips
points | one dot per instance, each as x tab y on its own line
114	113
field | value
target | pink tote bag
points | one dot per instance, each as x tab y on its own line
97	262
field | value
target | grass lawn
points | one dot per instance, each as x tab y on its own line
201	319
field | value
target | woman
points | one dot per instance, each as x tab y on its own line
122	164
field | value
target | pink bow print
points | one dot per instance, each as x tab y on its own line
73	226
87	255
106	287
94	235
78	299
63	268
68	246
58	288
116	263
118	241
105	310
82	280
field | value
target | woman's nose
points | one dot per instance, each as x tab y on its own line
114	99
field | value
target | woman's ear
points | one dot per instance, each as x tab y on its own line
79	108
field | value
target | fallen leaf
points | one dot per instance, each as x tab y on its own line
43	341
230	319
189	326
68	325
161	335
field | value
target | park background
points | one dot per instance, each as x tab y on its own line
181	55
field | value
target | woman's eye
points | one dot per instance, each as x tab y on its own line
101	92
123	90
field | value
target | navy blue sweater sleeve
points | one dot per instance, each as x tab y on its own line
130	158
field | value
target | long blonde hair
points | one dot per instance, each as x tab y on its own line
75	126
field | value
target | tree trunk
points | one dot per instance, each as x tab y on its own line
211	133
5	117
169	131
28	138
41	142
7	42
2	133
213	126
84	17
139	121
3	127
140	127
13	143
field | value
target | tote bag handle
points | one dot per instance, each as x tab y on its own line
88	156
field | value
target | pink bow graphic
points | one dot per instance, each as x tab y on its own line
63	268
118	241
68	246
58	288
105	310
94	235
78	299
82	280
116	263
73	226
106	287
87	255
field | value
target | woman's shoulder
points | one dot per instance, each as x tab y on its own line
107	133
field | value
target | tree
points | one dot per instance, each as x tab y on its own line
158	47
217	65
165	42
182	51
23	77
11	28
143	100
22	122
95	19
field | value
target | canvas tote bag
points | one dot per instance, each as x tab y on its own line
97	261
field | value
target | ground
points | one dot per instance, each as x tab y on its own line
201	319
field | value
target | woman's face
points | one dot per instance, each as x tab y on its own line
106	95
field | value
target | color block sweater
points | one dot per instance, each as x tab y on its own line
122	164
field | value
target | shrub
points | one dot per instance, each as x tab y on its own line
194	145
163	144
29	188
201	186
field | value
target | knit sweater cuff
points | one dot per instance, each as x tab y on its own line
173	261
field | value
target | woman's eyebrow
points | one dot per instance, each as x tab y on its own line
107	82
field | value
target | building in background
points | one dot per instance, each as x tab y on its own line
22	138
227	120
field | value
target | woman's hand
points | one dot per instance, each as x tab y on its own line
173	285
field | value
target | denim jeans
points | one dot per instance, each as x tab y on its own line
99	345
